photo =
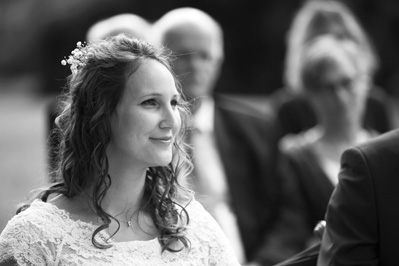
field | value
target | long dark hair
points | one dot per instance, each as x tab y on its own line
99	74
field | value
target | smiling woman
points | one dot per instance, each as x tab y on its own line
147	119
120	196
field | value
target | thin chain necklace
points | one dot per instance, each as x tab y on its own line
129	222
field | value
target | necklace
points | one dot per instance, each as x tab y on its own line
129	223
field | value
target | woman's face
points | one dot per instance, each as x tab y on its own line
147	118
341	92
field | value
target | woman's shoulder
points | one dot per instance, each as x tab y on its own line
39	229
44	220
294	143
39	233
200	219
38	211
31	232
194	207
38	217
207	237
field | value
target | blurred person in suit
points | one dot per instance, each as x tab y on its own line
234	148
315	18
362	218
334	78
131	25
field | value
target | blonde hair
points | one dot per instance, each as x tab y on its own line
317	18
324	52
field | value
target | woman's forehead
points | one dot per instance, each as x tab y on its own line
151	77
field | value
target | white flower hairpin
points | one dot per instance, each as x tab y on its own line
78	57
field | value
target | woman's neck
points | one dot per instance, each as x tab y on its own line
342	133
330	143
126	192
124	201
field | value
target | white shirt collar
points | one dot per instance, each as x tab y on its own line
204	116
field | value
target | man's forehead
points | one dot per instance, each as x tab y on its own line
188	32
191	39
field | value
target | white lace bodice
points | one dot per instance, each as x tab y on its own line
46	235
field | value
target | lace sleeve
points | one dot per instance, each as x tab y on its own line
24	242
209	235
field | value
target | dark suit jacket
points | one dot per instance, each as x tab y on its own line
247	142
363	213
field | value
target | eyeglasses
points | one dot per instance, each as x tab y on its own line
341	83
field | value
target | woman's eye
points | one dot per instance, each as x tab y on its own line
150	102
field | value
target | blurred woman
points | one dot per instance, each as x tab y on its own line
335	80
313	19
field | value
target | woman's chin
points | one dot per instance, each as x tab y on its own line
162	162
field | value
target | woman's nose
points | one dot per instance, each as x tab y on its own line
170	118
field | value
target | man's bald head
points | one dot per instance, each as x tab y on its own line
132	25
197	41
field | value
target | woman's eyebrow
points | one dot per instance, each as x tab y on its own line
153	94
156	94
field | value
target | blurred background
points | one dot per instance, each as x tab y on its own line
37	34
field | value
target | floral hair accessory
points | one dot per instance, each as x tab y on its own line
78	57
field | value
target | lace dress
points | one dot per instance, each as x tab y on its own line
46	235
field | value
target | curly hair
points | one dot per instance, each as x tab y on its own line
84	130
